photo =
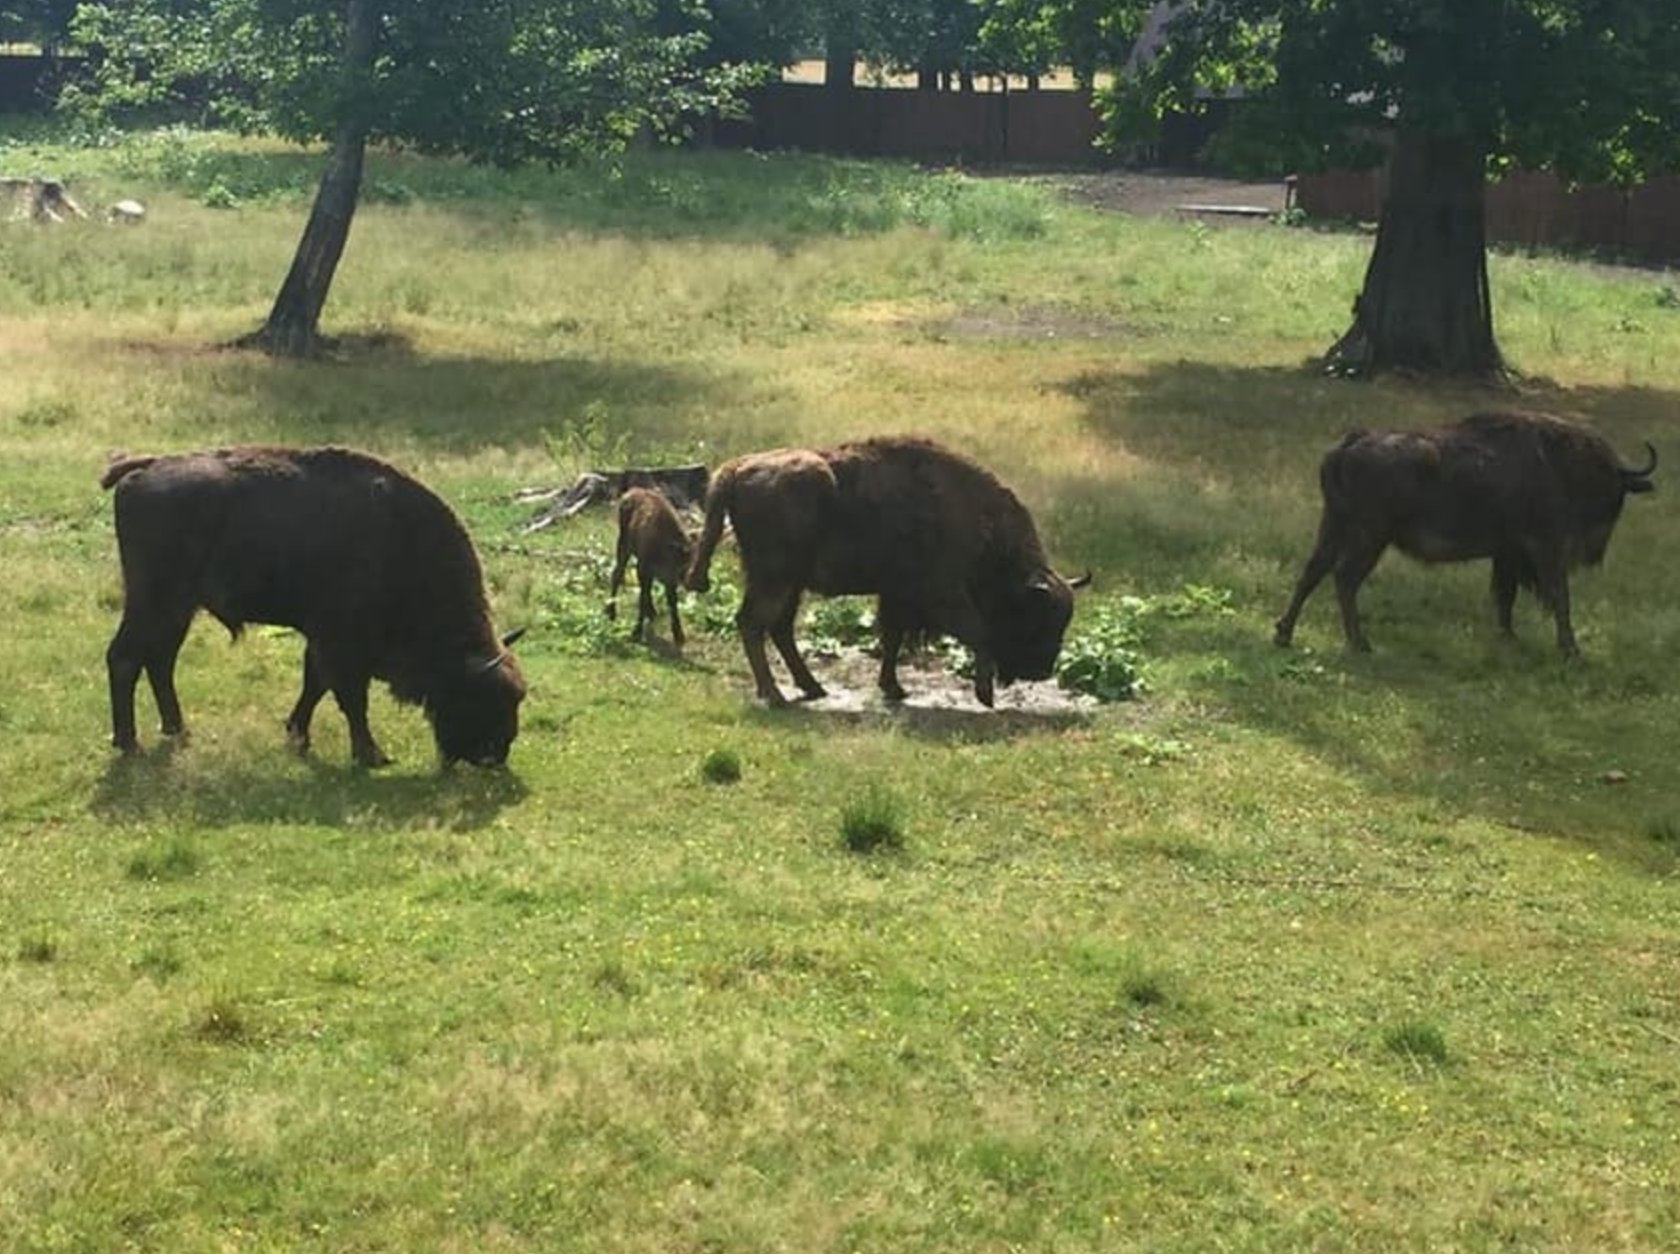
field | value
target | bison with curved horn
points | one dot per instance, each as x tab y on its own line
944	546
374	571
1536	494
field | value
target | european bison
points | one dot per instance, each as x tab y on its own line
650	531
945	547
374	570
1535	493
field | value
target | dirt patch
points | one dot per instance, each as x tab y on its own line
1027	322
1157	193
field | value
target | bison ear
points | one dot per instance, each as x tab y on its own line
510	638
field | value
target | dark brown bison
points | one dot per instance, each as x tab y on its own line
944	546
374	570
1535	493
650	531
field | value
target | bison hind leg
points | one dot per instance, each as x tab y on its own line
781	631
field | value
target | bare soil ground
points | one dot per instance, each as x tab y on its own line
1164	193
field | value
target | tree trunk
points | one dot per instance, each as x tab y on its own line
292	329
1425	304
839	67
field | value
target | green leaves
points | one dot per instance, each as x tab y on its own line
500	81
1588	87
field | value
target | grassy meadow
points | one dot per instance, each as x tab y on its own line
1297	950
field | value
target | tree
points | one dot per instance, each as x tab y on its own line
500	81
1446	91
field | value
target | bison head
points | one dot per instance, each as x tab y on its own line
1028	622
475	711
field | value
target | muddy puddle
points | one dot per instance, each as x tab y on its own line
937	700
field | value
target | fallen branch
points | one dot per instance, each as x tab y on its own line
684	486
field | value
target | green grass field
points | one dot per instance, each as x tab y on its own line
1299	950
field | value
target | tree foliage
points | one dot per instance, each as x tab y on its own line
1590	88
504	81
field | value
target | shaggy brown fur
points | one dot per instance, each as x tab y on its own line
374	571
944	546
650	531
1535	493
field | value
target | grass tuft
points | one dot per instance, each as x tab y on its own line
874	821
721	766
1418	1041
223	1022
177	860
37	949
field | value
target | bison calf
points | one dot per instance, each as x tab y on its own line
650	531
945	547
371	568
1536	494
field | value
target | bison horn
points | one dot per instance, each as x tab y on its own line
1080	581
484	665
508	638
1647	468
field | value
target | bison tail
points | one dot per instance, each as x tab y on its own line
120	468
718	497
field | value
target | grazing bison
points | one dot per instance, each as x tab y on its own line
374	570
1536	494
945	547
650	531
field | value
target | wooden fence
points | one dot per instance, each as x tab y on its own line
1533	210
1039	127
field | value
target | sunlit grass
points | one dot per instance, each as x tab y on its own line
1297	951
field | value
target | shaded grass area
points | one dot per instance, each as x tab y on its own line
1296	951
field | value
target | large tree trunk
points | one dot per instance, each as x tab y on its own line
1425	304
840	66
292	329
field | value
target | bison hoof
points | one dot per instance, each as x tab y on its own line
985	694
1283	637
612	611
774	699
128	747
816	692
893	692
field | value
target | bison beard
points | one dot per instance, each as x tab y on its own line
372	569
1536	494
944	546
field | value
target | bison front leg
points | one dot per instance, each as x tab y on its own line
348	681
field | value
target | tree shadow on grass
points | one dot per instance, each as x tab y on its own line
152	787
388	392
1444	710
